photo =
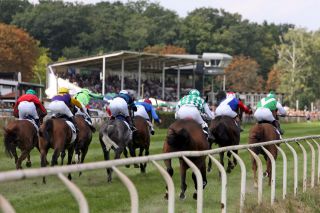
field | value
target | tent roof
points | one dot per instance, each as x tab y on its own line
131	60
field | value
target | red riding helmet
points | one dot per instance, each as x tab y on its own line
147	101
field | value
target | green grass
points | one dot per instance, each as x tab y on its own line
32	196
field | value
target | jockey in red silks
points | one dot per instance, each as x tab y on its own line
229	105
27	105
145	107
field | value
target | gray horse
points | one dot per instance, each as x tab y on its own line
114	134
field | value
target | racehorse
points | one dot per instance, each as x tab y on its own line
84	139
262	132
114	134
140	139
55	133
226	133
22	134
186	135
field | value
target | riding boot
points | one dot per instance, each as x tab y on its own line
237	121
277	125
37	122
131	124
72	119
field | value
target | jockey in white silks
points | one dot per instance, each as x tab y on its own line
145	107
267	109
192	106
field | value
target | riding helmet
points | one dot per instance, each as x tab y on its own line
31	91
194	92
63	90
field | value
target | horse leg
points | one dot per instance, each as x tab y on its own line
235	162
183	186
125	152
43	159
142	165
70	155
204	179
210	162
28	163
14	153
106	155
254	169
117	156
133	153
170	172
63	154
146	153
230	163
55	156
23	156
84	152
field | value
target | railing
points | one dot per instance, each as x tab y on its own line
302	142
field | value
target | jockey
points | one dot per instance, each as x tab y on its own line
267	109
194	107
145	107
84	97
228	105
121	104
63	103
27	105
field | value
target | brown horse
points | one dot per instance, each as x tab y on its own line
226	133
186	135
262	132
55	133
84	139
141	140
22	134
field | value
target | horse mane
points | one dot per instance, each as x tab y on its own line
179	139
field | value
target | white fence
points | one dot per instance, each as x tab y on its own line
303	142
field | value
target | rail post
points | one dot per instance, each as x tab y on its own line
284	177
5	206
305	163
295	169
313	159
243	180
259	166
273	174
318	172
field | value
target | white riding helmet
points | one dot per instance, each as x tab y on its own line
124	92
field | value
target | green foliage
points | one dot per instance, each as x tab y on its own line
8	8
167	118
40	68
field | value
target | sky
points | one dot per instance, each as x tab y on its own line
301	13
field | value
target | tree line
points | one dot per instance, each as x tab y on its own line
71	30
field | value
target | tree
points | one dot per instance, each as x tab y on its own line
273	81
9	8
241	75
164	49
294	63
18	51
40	68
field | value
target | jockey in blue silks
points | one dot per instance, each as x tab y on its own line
145	107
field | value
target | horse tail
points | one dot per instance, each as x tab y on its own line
47	132
107	140
9	138
179	139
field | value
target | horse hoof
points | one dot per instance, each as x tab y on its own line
127	166
209	170
136	166
194	196
80	173
182	196
69	177
44	180
28	164
229	170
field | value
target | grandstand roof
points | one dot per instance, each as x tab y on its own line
131	60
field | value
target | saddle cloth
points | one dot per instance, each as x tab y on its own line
73	130
33	122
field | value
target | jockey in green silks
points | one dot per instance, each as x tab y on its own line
84	97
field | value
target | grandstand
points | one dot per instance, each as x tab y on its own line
165	77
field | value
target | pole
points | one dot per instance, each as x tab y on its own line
139	79
163	78
122	74
103	75
178	84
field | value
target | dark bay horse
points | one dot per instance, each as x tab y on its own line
262	132
226	133
55	133
186	135
114	134
140	139
83	140
22	134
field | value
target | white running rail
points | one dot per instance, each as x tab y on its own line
6	207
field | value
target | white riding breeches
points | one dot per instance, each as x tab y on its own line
59	107
26	108
190	112
141	111
225	109
264	114
119	106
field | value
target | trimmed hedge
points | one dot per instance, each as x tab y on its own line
167	118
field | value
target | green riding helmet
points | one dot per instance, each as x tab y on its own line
271	94
194	92
31	91
86	91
